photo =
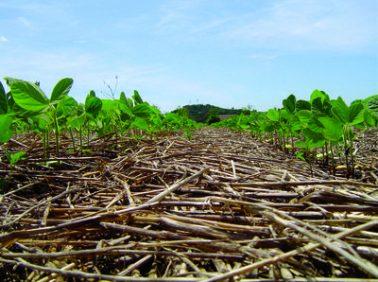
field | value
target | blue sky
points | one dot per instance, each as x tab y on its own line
230	53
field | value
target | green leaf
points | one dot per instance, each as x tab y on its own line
301	144
136	97
3	100
11	104
93	104
300	155
143	110
5	128
27	95
372	103
304	117
319	94
302	105
76	122
295	126
61	89
319	107
356	113
289	103
110	108
370	118
315	125
122	98
43	121
126	101
14	158
286	115
313	139
340	110
273	115
126	112
140	123
67	106
333	129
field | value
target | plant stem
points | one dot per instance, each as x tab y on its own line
333	159
81	140
327	157
275	139
73	140
292	143
310	159
88	136
346	152
351	149
56	134
48	143
44	145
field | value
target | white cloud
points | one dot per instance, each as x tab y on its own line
3	39
307	25
340	25
25	22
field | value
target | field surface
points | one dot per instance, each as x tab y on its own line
221	205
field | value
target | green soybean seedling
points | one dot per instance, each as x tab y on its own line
30	97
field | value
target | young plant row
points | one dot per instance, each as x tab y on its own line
25	108
321	129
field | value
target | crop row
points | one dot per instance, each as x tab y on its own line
321	128
25	108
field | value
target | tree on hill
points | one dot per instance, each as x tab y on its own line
202	113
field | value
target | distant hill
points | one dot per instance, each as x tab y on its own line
208	113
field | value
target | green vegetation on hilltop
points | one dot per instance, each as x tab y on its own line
203	113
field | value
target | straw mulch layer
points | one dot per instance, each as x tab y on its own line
220	206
